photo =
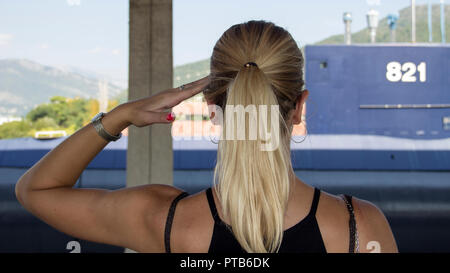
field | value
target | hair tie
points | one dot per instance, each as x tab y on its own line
249	64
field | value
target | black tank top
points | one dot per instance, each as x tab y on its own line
303	237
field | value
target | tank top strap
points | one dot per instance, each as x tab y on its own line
169	220
354	240
212	205
315	202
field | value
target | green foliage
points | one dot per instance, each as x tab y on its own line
187	73
60	114
63	111
15	129
43	110
45	123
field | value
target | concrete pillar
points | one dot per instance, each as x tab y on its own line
149	155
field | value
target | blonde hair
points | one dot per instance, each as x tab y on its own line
253	184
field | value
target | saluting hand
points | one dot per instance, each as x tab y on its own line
153	109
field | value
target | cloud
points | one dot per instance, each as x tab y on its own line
43	46
102	50
373	2
10	98
95	50
73	2
5	39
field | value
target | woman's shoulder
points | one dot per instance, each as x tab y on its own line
373	228
336	204
375	233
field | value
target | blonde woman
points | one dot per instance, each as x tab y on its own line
257	204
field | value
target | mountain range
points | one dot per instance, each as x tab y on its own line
25	84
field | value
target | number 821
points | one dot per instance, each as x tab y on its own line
396	72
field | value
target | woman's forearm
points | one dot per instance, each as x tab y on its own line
62	166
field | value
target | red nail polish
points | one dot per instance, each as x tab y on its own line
170	117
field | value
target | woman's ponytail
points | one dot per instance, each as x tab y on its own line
252	181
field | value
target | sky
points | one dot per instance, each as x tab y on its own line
93	34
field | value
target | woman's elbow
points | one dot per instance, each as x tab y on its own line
18	191
21	189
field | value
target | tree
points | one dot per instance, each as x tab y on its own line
15	129
60	113
45	123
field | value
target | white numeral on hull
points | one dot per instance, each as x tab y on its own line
396	72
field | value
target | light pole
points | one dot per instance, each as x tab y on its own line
413	21
347	18
372	22
430	22
392	22
443	22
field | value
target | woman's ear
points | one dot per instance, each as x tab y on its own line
298	111
211	109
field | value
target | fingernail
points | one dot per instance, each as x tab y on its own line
170	117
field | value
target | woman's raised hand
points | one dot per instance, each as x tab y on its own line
153	109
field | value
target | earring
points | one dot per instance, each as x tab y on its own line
306	128
210	139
